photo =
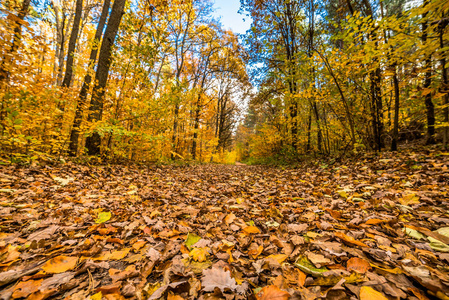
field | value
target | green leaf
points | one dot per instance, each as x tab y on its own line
272	224
191	240
307	267
437	245
414	234
103	217
443	231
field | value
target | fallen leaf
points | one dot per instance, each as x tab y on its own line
317	259
60	264
115	255
349	239
272	292
218	278
229	218
25	288
251	230
103	217
191	240
409	199
307	267
358	265
368	293
138	245
199	254
279	258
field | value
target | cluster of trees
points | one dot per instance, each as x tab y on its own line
157	79
345	75
141	80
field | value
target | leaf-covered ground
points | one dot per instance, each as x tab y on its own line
371	228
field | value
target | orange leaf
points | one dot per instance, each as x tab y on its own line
139	244
114	241
358	265
116	255
374	221
418	293
349	239
110	289
60	264
171	296
251	229
254	253
272	292
229	218
25	288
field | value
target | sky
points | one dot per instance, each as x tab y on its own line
230	18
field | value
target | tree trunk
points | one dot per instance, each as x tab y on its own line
195	128
427	82
394	143
6	60
101	76
75	133
444	86
72	44
4	73
60	50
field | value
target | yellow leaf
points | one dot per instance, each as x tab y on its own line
60	264
280	258
116	255
409	199
97	296
103	217
198	254
368	293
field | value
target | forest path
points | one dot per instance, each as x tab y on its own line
371	228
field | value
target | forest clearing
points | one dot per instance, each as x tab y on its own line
264	149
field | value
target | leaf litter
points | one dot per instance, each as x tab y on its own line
372	228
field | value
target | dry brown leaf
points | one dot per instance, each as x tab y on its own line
255	251
218	278
229	218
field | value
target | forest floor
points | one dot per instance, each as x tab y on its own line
376	227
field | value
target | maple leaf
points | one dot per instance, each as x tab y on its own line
218	278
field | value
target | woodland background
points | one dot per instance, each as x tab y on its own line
162	80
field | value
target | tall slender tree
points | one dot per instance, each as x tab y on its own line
72	44
75	132
101	76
